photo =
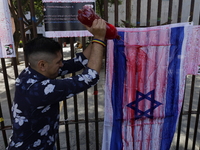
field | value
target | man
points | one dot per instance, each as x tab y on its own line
38	92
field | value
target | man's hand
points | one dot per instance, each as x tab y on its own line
98	29
94	52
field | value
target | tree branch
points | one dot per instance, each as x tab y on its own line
40	20
26	20
31	26
26	23
14	10
24	6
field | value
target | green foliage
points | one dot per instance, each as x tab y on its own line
20	43
38	8
26	7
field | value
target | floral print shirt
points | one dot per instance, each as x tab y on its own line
36	103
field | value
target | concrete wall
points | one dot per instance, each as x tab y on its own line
154	8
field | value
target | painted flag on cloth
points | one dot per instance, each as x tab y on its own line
6	35
145	78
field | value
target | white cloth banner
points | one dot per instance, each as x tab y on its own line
7	49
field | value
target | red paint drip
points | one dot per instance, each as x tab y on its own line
95	93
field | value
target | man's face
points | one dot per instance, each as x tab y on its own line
53	67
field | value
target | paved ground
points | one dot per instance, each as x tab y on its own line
70	106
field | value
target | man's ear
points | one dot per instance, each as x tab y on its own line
42	64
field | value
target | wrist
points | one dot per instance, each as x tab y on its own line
99	42
100	38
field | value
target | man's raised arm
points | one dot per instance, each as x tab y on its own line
94	52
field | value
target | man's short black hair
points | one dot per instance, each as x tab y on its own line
41	44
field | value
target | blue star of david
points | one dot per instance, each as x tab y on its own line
139	97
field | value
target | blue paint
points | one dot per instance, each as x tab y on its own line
117	93
172	94
139	97
33	19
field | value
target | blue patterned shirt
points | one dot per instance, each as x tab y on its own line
36	103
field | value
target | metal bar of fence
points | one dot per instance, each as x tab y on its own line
6	86
6	128
189	111
105	10
65	112
116	13
86	119
159	12
58	142
3	126
75	100
65	122
191	10
148	12
196	124
33	18
80	121
179	129
192	112
170	12
199	19
106	19
180	120
14	63
66	125
180	5
96	116
128	4
86	108
138	13
22	27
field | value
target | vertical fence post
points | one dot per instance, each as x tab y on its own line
138	13
199	19
75	101
191	10
14	63
128	10
116	13
6	85
96	116
22	27
189	111
106	19
180	5
159	12
105	10
148	12
33	18
66	124
180	120
196	124
86	106
2	128
170	12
